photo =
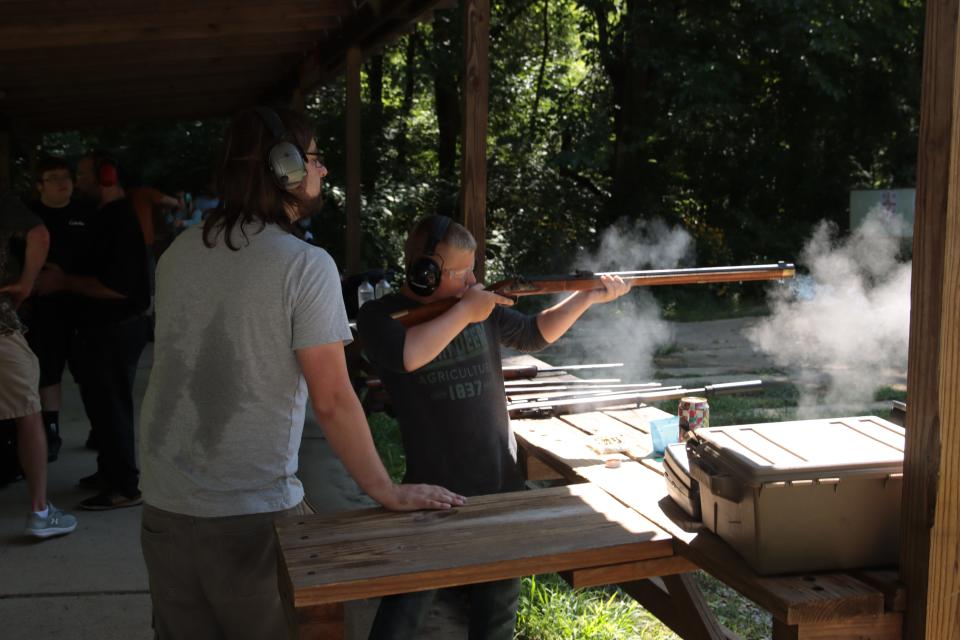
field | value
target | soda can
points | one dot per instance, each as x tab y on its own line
694	413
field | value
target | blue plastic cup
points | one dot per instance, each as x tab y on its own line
663	432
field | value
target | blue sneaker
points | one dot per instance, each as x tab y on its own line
57	523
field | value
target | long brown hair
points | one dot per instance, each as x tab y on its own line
248	191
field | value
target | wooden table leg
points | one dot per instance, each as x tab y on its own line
319	622
888	626
677	602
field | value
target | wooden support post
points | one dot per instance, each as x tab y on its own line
319	622
6	161
353	240
476	81
931	489
297	101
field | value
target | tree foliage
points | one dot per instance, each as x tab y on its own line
745	122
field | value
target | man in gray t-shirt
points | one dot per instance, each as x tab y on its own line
250	322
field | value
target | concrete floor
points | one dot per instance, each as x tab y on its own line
90	584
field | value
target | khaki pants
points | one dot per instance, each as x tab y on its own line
214	577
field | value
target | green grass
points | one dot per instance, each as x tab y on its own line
774	403
732	610
386	437
890	393
551	610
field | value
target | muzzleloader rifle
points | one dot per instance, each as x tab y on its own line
587	280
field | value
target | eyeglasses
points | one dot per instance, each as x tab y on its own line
58	178
316	159
459	274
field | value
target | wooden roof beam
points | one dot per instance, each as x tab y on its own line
198	23
133	74
216	47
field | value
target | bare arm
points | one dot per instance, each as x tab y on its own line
555	321
345	427
53	279
38	244
424	342
168	202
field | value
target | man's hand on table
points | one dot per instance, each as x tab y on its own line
413	497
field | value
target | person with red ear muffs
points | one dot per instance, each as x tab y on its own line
110	283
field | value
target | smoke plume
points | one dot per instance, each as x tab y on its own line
842	331
631	329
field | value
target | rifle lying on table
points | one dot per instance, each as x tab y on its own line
587	281
526	371
561	406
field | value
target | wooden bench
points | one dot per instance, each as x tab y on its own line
329	559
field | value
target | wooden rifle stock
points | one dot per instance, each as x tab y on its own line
587	281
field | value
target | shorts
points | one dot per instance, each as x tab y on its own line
19	378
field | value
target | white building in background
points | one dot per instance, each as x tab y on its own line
900	202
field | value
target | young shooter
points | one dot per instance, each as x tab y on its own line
446	384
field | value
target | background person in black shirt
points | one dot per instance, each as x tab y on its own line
50	318
111	283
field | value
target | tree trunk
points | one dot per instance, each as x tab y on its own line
447	105
406	107
545	52
373	141
622	49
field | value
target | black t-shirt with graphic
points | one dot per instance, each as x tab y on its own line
452	415
69	231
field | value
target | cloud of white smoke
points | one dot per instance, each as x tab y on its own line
631	329
843	330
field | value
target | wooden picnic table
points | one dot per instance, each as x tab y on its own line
602	526
863	605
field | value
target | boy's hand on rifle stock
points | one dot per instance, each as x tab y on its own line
613	288
413	497
479	303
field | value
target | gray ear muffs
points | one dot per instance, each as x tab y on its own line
286	160
423	276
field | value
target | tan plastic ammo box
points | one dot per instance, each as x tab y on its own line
803	496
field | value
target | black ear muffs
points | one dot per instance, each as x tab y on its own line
423	276
286	160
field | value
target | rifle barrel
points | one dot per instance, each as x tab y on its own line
515	287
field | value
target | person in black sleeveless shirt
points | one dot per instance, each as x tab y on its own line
49	319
